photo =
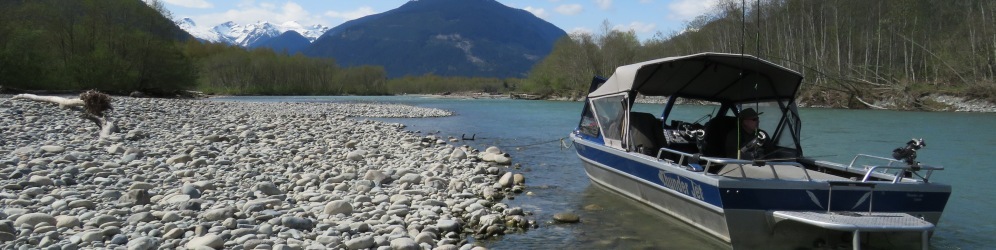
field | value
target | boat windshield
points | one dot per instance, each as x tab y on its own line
780	120
709	128
611	113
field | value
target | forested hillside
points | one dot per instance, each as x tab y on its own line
852	52
109	45
120	46
232	70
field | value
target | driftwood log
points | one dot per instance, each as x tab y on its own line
94	106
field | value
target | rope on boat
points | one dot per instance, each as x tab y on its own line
562	140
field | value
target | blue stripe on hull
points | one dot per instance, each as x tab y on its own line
843	200
691	189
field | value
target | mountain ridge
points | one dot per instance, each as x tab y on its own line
481	38
251	35
474	38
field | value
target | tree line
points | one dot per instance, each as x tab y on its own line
232	70
120	46
851	52
109	45
434	84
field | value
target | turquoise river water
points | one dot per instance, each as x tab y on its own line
530	132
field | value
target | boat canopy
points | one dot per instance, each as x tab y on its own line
718	77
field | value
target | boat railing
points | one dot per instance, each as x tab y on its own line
691	160
899	175
856	157
893	164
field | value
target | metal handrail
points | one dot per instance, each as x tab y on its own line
899	176
855	159
741	163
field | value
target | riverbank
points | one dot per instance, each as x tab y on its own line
943	103
236	175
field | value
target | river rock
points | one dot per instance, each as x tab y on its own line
411	178
191	190
82	203
404	244
143	243
338	207
53	149
116	149
362	242
356	155
518	179
377	177
33	219
502	159
268	188
218	214
493	150
506	180
41	180
297	223
448	225
67	221
92	235
458	155
209	240
5	236
136	197
183	158
566	217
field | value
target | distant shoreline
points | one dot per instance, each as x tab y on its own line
947	103
952	103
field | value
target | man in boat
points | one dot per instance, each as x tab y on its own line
746	142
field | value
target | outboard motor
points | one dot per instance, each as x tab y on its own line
907	153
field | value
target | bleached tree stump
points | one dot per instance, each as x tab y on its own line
94	105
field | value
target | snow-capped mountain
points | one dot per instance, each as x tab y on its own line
249	35
202	33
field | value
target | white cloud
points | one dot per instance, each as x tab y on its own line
538	12
604	4
569	9
197	4
638	27
689	9
353	14
250	13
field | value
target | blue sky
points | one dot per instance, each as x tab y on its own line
645	17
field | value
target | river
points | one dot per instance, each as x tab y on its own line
531	131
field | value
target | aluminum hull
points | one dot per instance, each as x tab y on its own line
738	210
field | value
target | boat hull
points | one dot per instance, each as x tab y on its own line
704	218
738	210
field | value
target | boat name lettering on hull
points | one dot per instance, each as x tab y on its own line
915	196
682	185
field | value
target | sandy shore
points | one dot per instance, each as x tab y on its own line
197	174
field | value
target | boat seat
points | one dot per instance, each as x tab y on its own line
646	133
715	135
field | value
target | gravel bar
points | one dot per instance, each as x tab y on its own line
201	174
